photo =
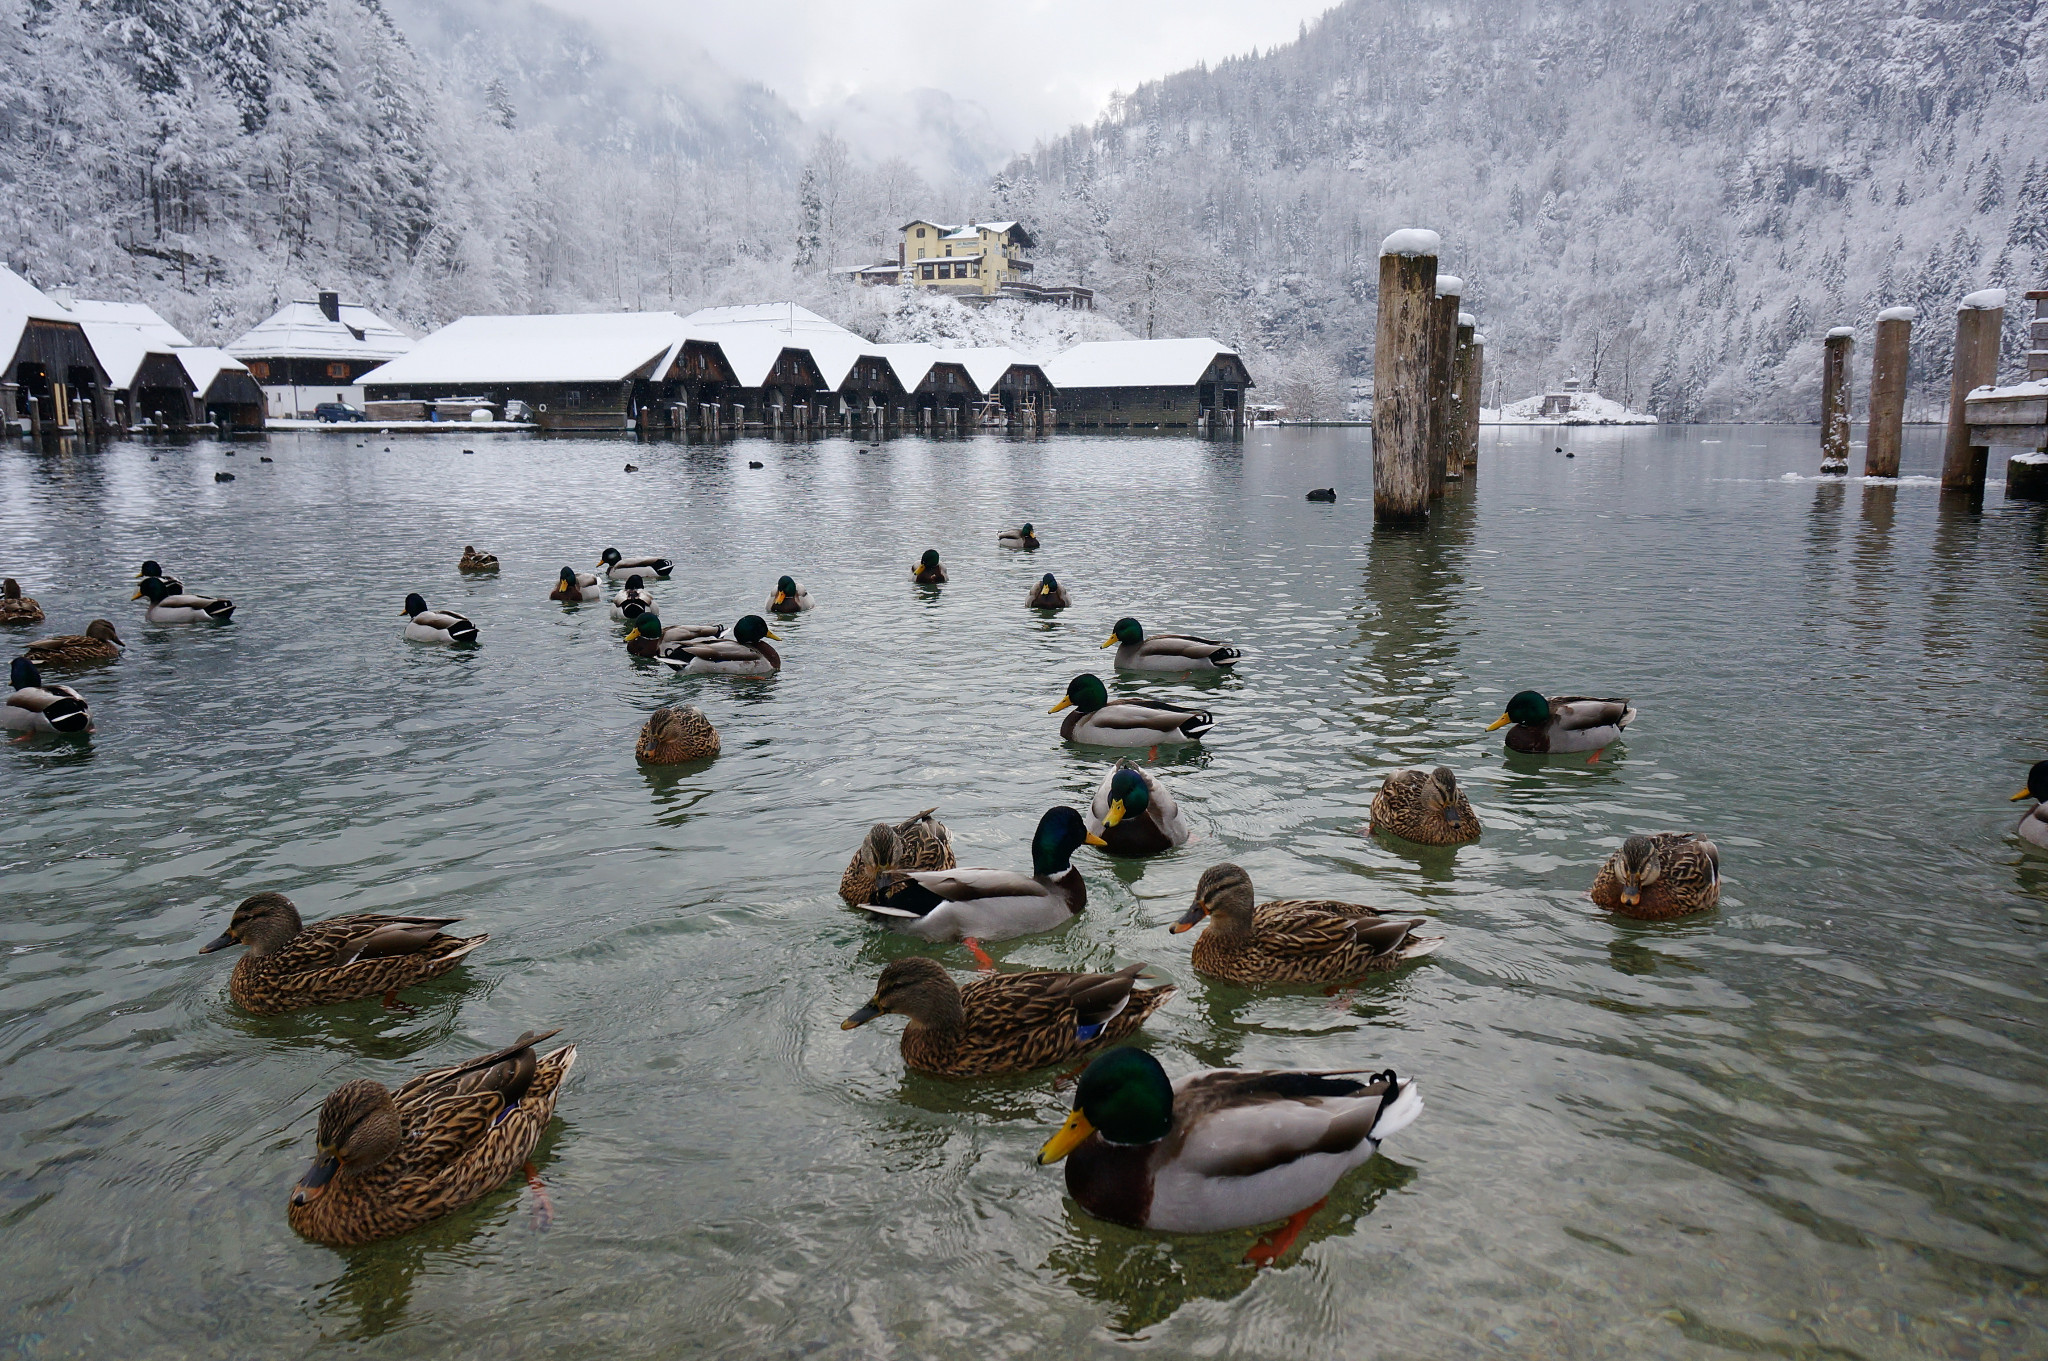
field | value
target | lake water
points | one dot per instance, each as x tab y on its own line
1810	1124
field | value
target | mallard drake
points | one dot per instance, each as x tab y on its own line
927	571
1131	722
99	643
1294	940
1424	806
1135	814
632	602
473	561
674	734
572	586
169	607
2033	824
1024	539
35	707
343	959
1565	723
743	654
1048	594
16	608
1167	651
434	626
916	843
616	565
972	905
1660	876
388	1162
789	598
152	568
1006	1022
1223	1148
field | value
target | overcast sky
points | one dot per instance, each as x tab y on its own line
1060	59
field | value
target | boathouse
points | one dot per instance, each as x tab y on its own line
1013	387
137	350
51	378
810	368
1127	383
224	392
307	353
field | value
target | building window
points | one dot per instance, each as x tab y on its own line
574	397
927	271
338	371
259	370
920	233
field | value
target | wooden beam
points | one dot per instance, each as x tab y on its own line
1400	379
1834	400
1978	323
1887	393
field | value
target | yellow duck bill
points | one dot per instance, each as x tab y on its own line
1070	1137
1500	722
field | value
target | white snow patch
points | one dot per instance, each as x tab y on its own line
1448	285
1588	408
1983	300
1881	481
2038	456
1841	331
2037	388
1899	314
1412	241
1467	319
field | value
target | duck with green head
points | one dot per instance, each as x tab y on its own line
927	572
746	653
34	707
789	598
617	564
423	625
1138	651
2033	825
1564	723
572	587
1024	539
1130	722
632	601
971	905
1222	1148
1048	594
1135	813
167	606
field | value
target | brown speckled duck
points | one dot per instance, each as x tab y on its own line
99	643
1006	1022
473	561
1294	940
1660	876
343	959
1426	807
16	608
916	843
674	734
388	1162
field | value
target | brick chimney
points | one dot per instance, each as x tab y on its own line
330	306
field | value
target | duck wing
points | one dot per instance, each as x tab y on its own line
1030	1000
1576	713
712	650
343	940
1233	1123
924	843
917	893
1191	647
1153	714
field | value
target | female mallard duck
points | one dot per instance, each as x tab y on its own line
1135	814
343	959
388	1162
1167	651
917	843
152	568
1660	876
927	572
1295	940
1565	723
99	643
973	905
1024	539
35	707
789	598
632	602
473	561
573	586
423	625
616	565
1006	1022
1424	806
743	654
1104	722
674	734
2033	826
1048	594
1223	1148
16	608
169	607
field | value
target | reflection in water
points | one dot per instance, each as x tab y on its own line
1144	1278
1872	588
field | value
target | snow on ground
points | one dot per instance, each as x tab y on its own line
904	316
1588	408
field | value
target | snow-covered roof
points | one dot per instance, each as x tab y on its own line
121	349
20	303
139	315
786	317
1134	363
754	335
300	330
585	347
987	364
204	363
911	361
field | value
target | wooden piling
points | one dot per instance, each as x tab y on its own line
1476	380
1887	392
1400	378
1834	400
1979	320
1443	347
1461	400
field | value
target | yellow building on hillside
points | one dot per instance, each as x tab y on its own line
977	258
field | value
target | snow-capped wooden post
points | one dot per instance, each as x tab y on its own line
1834	400
1462	393
1400	378
1979	320
1887	392
1443	359
1475	374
